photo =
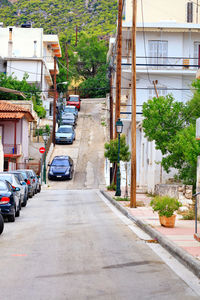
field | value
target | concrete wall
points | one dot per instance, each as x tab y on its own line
157	10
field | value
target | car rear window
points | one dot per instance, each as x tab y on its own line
3	186
73	98
6	177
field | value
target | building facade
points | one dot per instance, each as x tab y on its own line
30	51
167	57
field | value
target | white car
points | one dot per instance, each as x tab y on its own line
12	178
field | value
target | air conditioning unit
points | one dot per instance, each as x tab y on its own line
186	63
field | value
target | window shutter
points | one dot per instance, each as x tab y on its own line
189	12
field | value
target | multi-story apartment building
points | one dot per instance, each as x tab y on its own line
168	54
29	50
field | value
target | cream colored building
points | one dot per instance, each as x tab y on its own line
159	10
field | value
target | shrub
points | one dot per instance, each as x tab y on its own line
165	205
111	187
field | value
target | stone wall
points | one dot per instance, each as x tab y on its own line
181	192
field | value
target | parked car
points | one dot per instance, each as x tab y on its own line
1	222
74	100
65	134
68	119
32	179
61	167
71	109
23	186
37	180
13	180
9	200
27	179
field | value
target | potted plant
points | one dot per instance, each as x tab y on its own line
165	206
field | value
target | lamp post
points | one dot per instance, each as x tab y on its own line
45	138
119	128
54	101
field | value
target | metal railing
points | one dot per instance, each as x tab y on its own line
12	149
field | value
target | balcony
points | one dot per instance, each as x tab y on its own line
11	150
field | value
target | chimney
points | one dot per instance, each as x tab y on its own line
10	43
35	49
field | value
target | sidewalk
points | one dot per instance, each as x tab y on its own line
182	235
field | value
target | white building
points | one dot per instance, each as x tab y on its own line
30	51
168	53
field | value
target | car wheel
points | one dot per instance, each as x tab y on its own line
11	218
1	224
24	202
17	213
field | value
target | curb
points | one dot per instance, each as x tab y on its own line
186	259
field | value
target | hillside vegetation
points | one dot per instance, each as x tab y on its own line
92	16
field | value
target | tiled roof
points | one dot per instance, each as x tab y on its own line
13	111
17	115
6	106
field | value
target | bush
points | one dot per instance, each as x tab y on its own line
111	187
165	205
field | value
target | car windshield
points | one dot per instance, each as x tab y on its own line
68	117
73	98
65	130
3	186
24	175
69	109
60	162
6	177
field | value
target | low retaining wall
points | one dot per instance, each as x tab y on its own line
181	192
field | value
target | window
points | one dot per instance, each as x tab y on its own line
190	12
161	91
124	11
196	61
158	51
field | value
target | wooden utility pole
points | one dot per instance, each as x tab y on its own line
54	103
111	104
76	35
67	60
133	124
155	82
119	58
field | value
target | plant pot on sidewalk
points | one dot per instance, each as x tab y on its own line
167	221
165	206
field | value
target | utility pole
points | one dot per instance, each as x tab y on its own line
54	102
119	58
111	104
67	59
76	35
155	82
197	12
133	123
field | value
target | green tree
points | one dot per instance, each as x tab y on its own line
171	125
31	92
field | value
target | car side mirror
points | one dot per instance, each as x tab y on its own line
17	189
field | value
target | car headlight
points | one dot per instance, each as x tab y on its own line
50	171
67	171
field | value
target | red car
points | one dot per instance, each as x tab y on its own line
74	100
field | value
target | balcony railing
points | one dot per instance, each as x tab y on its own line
157	63
12	149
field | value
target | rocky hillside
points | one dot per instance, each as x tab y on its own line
92	16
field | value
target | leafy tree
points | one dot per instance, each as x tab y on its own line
91	54
171	125
111	150
30	90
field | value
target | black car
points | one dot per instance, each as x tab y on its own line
8	201
1	223
68	119
61	167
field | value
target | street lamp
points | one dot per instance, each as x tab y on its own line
119	129
45	137
54	101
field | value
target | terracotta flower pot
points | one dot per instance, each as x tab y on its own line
167	221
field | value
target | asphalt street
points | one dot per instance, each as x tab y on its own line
70	245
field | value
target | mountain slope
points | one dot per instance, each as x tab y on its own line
92	16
